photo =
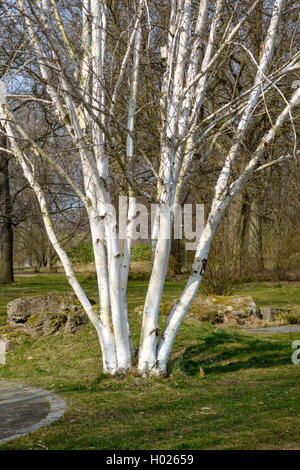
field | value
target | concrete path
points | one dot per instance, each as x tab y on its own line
25	409
274	329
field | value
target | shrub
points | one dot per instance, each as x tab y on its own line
82	253
141	252
220	278
138	276
290	317
90	277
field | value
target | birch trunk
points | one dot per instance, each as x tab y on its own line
110	364
149	333
180	309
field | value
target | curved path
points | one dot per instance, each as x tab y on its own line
25	409
274	329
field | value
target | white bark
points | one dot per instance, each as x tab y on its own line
180	309
129	160
149	333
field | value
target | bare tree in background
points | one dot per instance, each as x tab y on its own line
6	232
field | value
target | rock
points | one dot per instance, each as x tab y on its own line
20	310
12	336
235	310
43	315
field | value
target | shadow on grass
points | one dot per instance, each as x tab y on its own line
229	351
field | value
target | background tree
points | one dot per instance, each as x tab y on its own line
6	232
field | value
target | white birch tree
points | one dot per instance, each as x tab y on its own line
88	101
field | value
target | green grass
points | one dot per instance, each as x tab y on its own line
249	397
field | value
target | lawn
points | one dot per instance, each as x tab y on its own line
249	397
